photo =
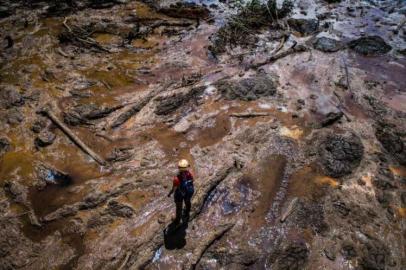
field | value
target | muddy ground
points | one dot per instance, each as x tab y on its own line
291	113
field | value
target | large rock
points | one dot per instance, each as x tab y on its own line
248	89
391	140
340	155
326	44
371	45
304	27
119	210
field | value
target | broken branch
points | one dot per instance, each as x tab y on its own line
73	137
292	50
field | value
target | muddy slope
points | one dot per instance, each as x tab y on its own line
291	113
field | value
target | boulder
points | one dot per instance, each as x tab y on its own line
370	45
340	155
326	44
304	27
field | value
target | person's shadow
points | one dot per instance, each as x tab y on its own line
175	235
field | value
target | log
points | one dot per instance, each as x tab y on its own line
293	49
73	137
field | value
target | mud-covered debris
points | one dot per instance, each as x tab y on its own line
403	198
38	125
17	191
330	253
370	45
10	97
120	154
167	105
348	250
99	220
188	10
14	116
326	44
341	208
45	138
241	28
304	27
4	145
331	118
248	89
119	210
391	140
384	180
385	198
375	255
310	215
84	113
293	257
340	155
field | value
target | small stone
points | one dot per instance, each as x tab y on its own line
14	116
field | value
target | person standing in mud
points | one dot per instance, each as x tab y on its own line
184	189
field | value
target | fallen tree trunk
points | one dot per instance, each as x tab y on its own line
294	49
73	137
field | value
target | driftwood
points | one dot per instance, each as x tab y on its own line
248	115
289	210
73	137
295	48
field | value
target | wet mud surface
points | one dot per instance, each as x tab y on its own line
294	126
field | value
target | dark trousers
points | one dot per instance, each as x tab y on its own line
179	199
